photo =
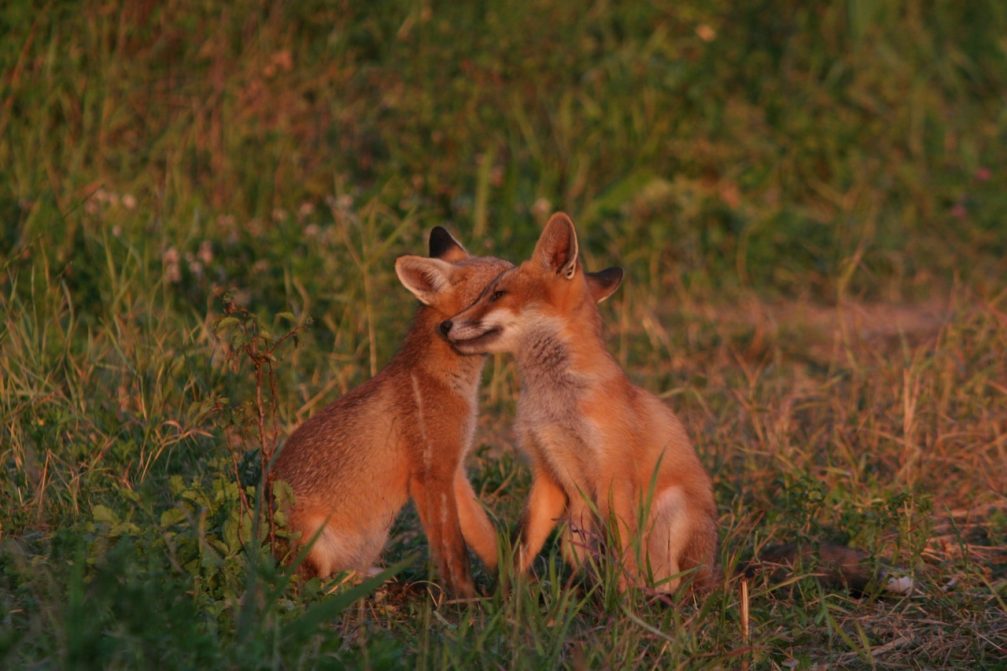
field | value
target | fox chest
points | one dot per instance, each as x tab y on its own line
560	438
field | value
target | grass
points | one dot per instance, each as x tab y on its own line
807	200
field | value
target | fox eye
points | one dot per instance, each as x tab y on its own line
496	295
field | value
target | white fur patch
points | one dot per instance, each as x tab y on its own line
418	398
497	318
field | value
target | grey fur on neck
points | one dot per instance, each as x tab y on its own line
544	364
543	354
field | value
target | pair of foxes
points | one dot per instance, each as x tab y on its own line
603	452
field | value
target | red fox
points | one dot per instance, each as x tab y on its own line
600	447
402	434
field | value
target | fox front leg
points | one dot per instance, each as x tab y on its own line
478	531
546	504
580	538
438	510
625	511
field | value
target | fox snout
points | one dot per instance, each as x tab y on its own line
470	336
459	330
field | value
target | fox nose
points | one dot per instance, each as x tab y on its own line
445	327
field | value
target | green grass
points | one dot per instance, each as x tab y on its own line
808	202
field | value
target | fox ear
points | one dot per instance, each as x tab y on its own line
444	246
425	278
603	283
557	248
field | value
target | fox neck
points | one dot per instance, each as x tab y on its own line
563	353
424	349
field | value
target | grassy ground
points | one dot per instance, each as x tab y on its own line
809	205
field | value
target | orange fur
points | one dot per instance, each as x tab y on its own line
594	439
402	434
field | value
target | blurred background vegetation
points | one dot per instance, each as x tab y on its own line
758	167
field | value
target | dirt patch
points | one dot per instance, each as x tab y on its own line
826	332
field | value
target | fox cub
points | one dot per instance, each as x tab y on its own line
600	447
402	434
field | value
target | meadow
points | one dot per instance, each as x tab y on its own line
200	208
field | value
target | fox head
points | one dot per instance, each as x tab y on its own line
450	279
551	289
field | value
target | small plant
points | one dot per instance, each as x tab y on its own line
247	342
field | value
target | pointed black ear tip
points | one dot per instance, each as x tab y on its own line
604	283
609	275
440	241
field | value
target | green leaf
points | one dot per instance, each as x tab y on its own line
227	323
125	528
176	484
231	535
104	514
130	494
172	516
